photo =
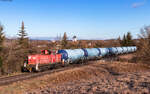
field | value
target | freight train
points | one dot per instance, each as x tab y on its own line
68	56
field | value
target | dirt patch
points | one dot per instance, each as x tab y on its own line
125	67
127	56
102	77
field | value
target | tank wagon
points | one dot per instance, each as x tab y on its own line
69	56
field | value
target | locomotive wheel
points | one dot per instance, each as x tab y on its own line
82	61
23	69
34	70
52	66
30	69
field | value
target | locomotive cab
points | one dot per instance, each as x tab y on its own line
48	52
45	52
29	63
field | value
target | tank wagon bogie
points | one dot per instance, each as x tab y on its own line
71	56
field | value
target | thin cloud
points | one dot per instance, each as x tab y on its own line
138	4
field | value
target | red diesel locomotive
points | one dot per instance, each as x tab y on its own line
35	62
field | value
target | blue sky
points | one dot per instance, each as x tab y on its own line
87	19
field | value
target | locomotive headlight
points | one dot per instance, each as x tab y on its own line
29	57
34	57
25	64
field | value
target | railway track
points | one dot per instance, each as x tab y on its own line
26	76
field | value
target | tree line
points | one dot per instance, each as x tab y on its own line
126	40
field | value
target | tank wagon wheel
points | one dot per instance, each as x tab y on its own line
63	63
85	60
81	61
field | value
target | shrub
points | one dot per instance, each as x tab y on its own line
143	53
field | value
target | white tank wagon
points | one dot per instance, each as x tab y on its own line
92	53
104	52
120	50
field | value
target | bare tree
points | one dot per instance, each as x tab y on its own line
144	45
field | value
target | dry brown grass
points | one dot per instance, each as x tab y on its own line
97	69
127	67
12	74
